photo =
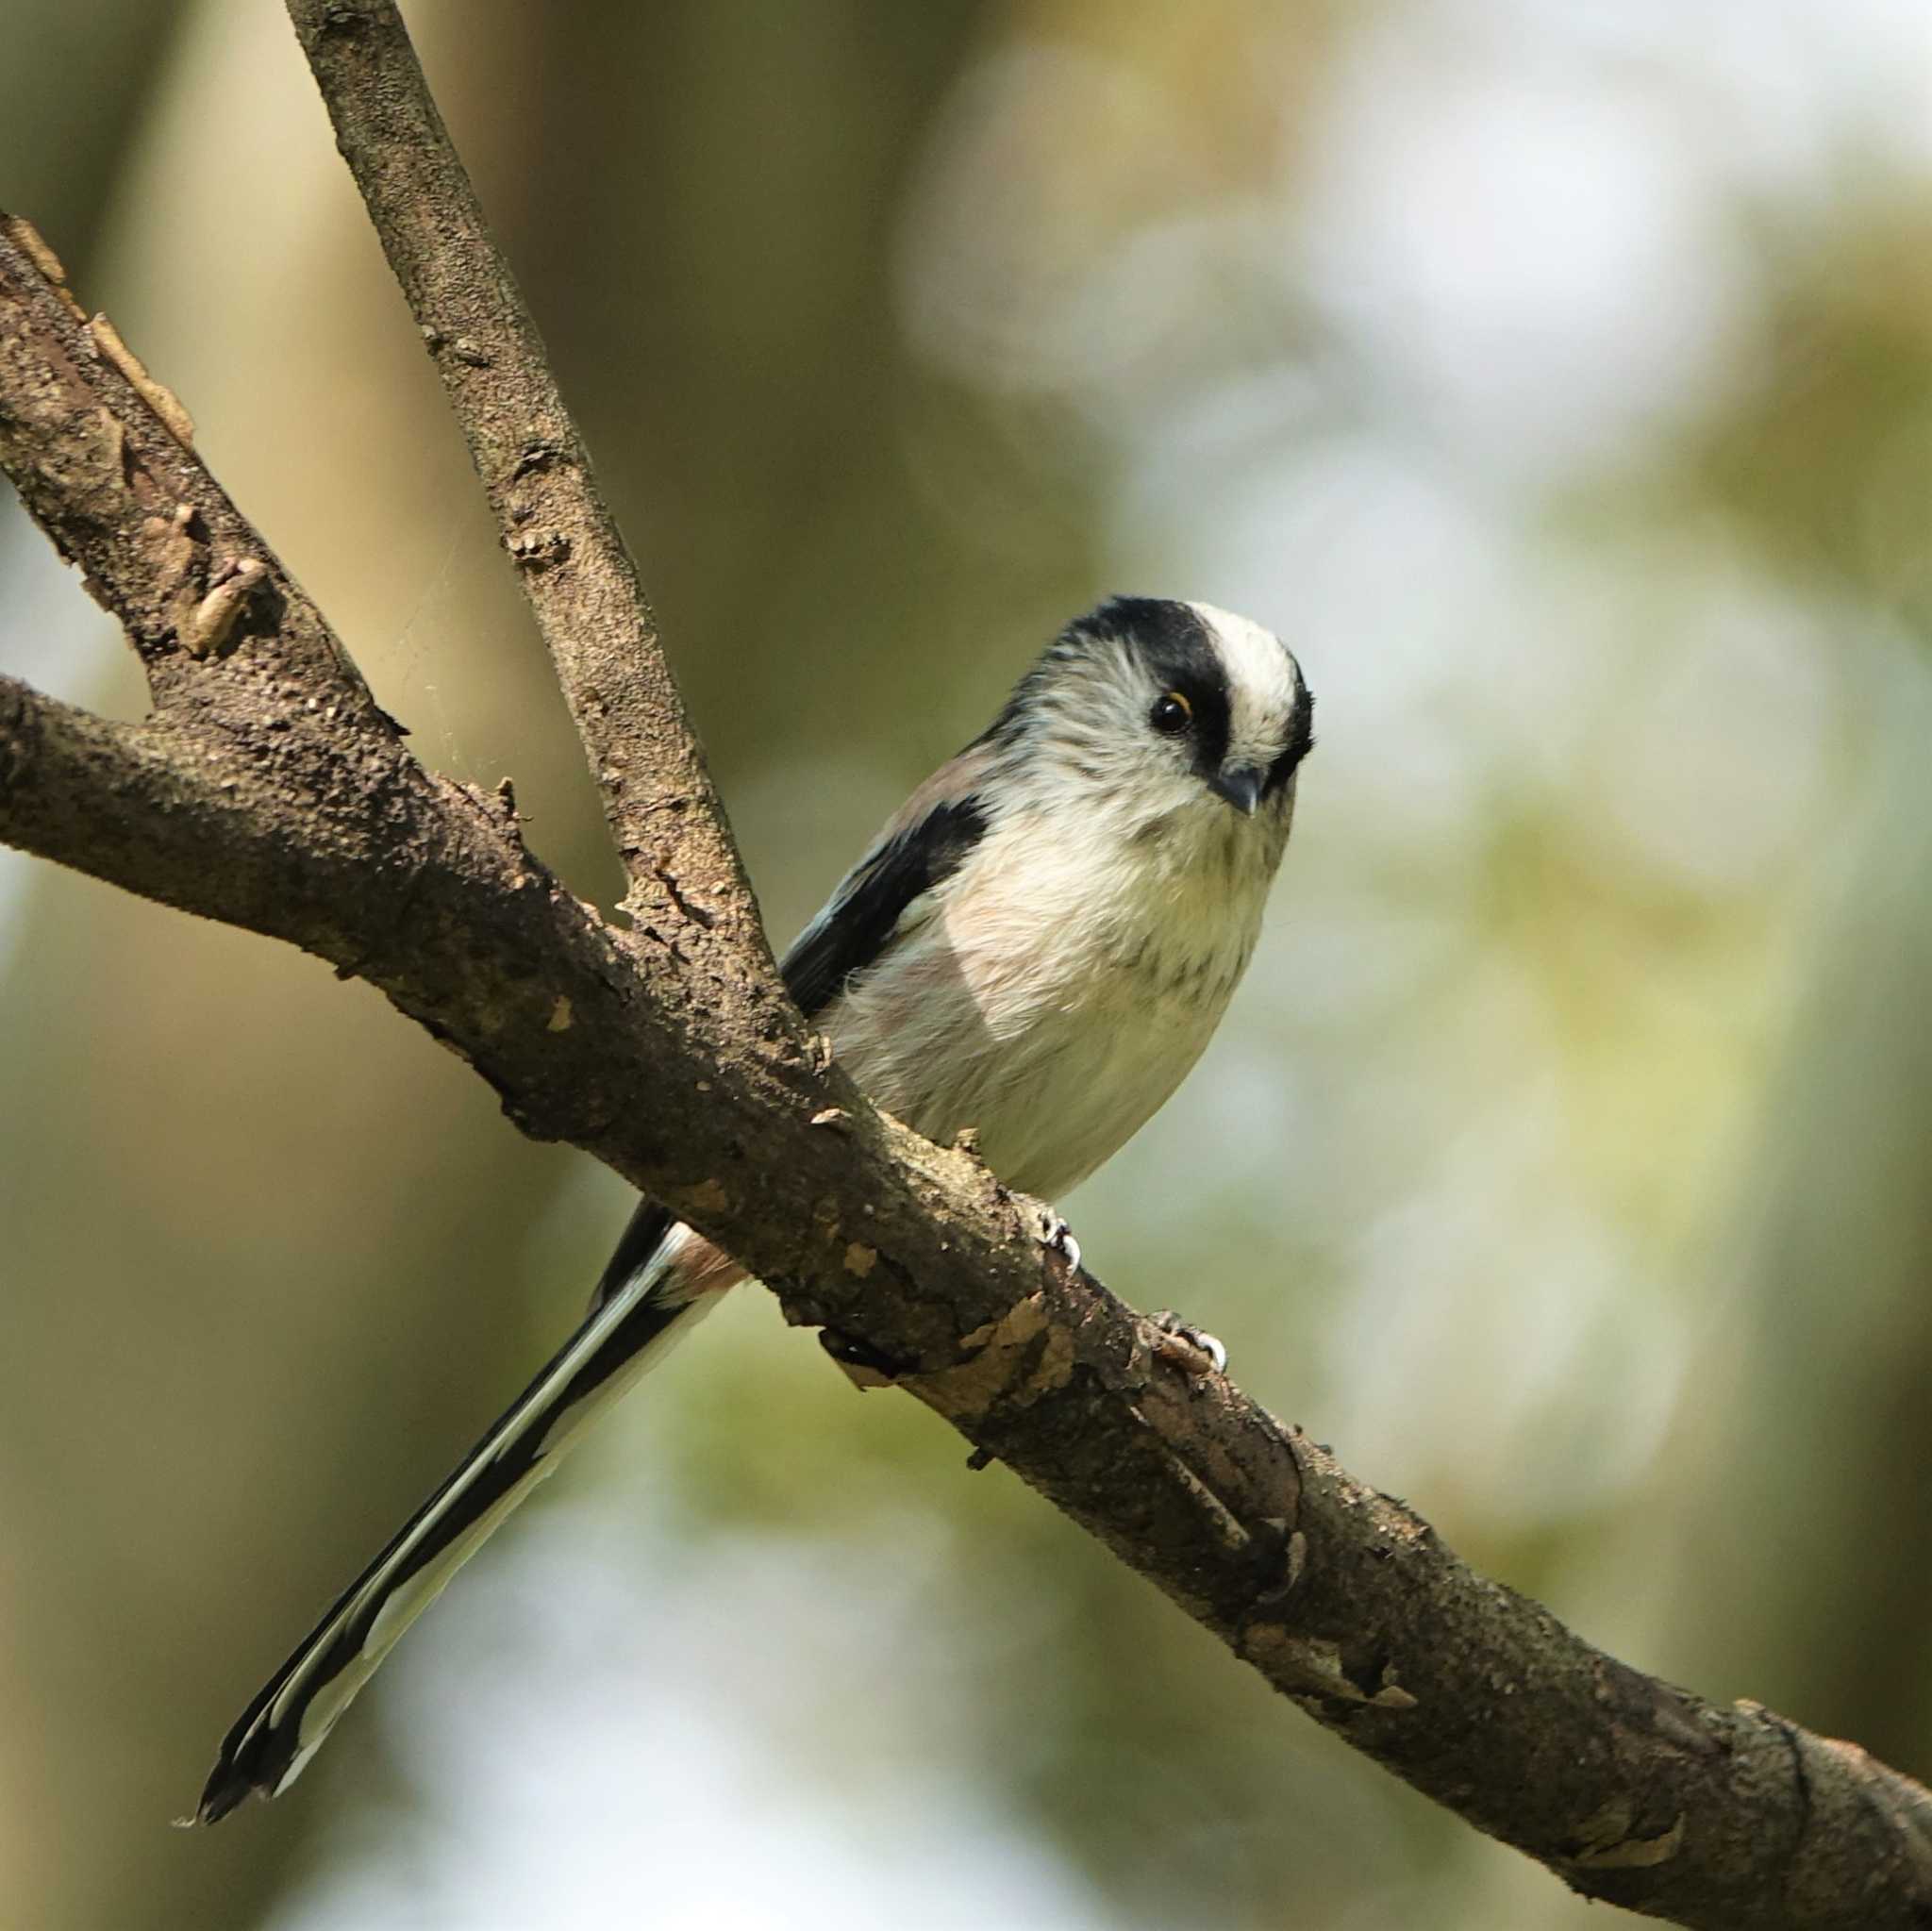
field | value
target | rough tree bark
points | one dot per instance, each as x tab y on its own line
268	790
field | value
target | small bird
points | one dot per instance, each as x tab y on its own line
1039	946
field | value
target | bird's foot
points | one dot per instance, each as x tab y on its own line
1056	1234
1196	1341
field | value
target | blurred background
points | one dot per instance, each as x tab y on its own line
1556	379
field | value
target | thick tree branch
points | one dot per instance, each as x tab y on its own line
574	563
106	467
268	792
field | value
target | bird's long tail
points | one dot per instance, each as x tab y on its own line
645	1302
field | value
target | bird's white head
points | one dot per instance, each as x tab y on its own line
1170	720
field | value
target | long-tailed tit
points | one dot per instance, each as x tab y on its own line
1037	946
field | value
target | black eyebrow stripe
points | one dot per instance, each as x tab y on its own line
1173	640
1301	736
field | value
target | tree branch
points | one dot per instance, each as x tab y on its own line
575	567
106	465
269	792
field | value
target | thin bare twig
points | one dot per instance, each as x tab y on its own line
575	566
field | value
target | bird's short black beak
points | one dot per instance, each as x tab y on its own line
1240	787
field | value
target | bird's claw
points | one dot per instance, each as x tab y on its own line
1056	1234
1197	1339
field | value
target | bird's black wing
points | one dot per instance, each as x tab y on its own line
913	854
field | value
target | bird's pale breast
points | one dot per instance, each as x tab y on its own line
1052	1009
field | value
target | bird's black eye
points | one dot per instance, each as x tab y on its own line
1171	714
